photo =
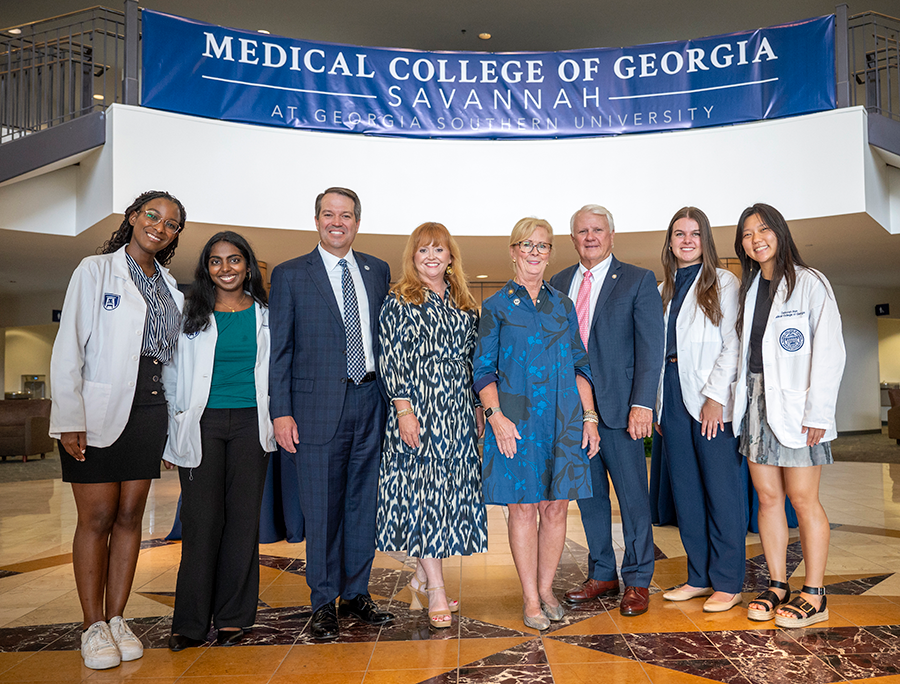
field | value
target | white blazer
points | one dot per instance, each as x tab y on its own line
94	366
188	380
707	353
803	359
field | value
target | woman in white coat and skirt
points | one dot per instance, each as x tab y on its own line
694	406
219	436
791	362
120	324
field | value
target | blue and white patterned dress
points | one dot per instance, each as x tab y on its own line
429	499
533	354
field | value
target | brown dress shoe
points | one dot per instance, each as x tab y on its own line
635	601
592	589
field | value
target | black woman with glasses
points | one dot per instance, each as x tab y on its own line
120	324
534	380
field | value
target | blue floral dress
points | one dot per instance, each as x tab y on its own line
533	353
429	499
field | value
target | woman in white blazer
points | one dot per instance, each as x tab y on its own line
694	405
791	362
120	324
219	436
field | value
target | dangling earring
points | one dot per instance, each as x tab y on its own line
449	270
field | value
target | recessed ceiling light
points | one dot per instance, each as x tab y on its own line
484	36
481	276
262	31
98	96
14	32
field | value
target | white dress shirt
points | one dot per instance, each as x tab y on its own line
598	274
335	273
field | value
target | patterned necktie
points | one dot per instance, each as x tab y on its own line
583	308
356	355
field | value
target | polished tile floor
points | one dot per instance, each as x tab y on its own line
40	616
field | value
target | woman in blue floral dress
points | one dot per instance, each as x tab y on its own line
430	502
533	377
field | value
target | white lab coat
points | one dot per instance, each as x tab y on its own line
707	353
94	366
188	380
803	359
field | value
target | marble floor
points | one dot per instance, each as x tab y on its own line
40	615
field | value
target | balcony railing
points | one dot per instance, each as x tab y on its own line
56	70
873	45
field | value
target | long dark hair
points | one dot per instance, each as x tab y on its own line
787	257
200	305
123	235
707	281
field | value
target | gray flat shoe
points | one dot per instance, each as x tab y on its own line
553	614
539	622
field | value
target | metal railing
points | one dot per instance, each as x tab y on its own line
56	70
873	46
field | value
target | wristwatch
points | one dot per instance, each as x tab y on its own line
488	412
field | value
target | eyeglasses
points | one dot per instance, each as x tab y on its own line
170	226
529	246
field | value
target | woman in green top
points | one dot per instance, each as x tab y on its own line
219	435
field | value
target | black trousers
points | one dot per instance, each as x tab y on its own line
219	574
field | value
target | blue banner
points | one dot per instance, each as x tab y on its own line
211	71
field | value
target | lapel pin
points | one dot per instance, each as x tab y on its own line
615	276
510	291
367	267
516	301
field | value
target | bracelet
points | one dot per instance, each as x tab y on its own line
590	419
405	412
591	416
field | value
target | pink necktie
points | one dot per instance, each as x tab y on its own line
583	308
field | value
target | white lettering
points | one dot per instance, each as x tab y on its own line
277	112
215	50
307	60
442	72
361	68
489	71
473	100
421	98
725	62
695	60
248	51
267	59
648	62
573	67
340	64
764	49
562	98
417	70
392	68
534	71
679	62
629	70
513	77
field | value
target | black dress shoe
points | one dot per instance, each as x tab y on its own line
229	637
324	624
179	642
363	608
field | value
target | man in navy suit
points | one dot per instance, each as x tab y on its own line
621	319
323	313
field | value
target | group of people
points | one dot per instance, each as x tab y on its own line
378	395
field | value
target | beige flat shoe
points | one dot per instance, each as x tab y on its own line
721	606
682	593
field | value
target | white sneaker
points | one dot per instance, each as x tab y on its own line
130	647
98	649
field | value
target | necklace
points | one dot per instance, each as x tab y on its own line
234	309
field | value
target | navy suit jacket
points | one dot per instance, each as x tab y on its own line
625	346
308	365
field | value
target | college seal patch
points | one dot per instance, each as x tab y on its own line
791	340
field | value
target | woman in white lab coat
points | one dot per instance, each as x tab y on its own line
219	437
694	406
791	362
120	324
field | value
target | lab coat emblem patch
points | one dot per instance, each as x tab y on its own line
111	301
791	340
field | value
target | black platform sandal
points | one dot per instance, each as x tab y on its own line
770	597
803	612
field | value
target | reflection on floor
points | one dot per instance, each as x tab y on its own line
40	615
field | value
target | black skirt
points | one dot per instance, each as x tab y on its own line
137	453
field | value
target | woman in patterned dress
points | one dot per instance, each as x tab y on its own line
429	501
533	376
791	362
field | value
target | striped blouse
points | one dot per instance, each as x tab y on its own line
163	323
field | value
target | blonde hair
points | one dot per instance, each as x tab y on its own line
524	229
410	287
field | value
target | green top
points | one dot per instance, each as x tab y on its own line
233	381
